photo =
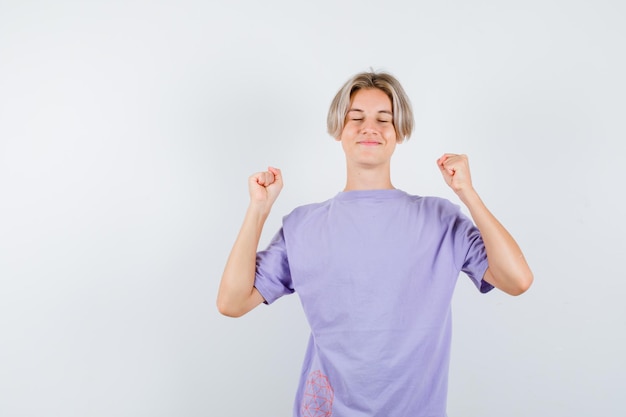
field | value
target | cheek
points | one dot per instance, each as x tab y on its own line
348	131
390	133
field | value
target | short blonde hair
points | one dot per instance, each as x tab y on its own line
401	106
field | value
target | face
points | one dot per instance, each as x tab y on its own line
369	136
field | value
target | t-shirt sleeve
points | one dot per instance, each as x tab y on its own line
273	278
472	249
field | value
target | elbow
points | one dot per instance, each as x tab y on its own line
228	309
515	282
522	285
230	313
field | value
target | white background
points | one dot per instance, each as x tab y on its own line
128	130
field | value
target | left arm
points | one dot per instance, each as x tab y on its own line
508	270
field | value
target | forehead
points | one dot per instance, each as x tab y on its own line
371	99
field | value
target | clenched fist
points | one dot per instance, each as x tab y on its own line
456	172
265	186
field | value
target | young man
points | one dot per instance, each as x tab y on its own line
375	267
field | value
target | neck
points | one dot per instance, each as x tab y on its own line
368	178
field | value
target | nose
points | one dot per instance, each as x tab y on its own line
368	126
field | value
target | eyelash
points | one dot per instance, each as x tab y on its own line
379	121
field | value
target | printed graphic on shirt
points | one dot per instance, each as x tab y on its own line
317	400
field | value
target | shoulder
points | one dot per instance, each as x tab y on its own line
435	206
301	213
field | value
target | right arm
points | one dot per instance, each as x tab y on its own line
237	294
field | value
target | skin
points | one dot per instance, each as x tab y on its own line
237	294
368	140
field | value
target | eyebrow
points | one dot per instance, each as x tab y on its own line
379	111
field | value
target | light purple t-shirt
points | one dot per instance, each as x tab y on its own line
375	272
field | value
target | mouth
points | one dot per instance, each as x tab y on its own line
368	143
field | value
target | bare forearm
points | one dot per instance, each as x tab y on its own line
237	284
237	294
508	269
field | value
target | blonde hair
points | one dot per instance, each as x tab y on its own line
401	106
